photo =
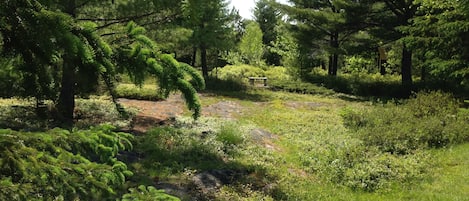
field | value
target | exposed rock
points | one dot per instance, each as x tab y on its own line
207	183
175	190
224	109
263	137
259	135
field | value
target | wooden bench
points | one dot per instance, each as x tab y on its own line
253	79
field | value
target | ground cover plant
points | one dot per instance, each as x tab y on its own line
319	156
263	150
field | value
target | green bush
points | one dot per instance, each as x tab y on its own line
239	72
392	140
430	119
216	84
145	92
277	74
366	168
359	83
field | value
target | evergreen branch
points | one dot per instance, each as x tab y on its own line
394	7
113	21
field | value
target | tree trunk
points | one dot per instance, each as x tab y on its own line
334	57
406	71
66	102
203	58
194	56
382	67
335	64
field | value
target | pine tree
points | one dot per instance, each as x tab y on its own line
440	30
55	47
209	20
268	17
393	15
327	24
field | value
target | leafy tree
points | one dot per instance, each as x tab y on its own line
74	54
268	17
209	20
251	47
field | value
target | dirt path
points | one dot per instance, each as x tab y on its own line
151	113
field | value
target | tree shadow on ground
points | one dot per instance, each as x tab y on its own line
246	95
192	165
25	118
29	117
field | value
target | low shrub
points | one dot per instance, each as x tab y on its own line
243	72
430	119
367	168
239	72
360	84
299	87
392	140
145	92
100	110
277	74
216	84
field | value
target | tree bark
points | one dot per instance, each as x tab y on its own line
382	67
334	58
194	56
406	71
66	102
203	58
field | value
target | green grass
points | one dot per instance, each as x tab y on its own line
310	131
305	161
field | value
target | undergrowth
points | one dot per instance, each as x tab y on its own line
394	140
430	120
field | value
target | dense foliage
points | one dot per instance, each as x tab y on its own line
75	56
64	165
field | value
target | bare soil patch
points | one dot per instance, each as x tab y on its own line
151	113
